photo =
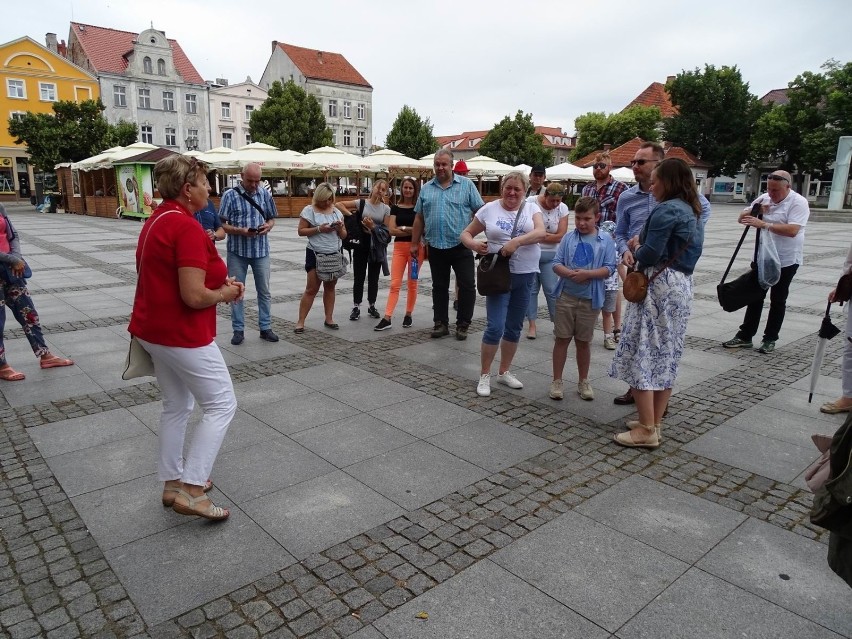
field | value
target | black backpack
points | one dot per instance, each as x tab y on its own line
354	230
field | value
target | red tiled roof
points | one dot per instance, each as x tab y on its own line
622	155
107	49
462	139
776	96
323	65
655	95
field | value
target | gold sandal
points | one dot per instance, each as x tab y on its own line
168	502
212	512
626	439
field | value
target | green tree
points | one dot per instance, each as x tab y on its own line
716	116
801	135
290	119
411	135
73	132
595	129
514	141
122	133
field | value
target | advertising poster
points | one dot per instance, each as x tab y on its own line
128	188
146	182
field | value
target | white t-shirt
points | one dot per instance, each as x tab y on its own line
551	220
793	209
322	242
498	223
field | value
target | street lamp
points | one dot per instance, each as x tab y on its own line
363	151
191	143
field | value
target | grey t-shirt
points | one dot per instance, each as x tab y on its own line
376	211
322	242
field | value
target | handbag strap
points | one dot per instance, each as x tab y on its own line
148	234
737	250
254	204
515	225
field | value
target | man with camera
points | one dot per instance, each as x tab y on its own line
785	215
248	214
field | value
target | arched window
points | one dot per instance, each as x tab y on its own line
161	67
146	65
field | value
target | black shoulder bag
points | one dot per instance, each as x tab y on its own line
746	289
493	276
354	231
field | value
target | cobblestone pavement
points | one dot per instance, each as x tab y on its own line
368	482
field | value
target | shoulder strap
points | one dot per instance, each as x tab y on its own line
148	234
361	203
245	196
756	212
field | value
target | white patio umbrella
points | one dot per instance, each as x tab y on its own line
482	165
269	157
329	159
391	161
219	157
99	161
523	168
568	171
623	174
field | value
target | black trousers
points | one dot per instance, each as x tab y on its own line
460	260
363	269
777	309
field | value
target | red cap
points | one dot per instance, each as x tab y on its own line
460	168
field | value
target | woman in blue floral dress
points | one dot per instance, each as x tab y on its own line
654	330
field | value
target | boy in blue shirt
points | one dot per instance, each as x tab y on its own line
584	259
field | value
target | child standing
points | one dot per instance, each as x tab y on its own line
612	304
584	259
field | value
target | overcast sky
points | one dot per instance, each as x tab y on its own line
467	64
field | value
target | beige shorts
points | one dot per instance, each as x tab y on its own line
574	318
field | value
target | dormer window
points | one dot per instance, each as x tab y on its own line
146	65
161	67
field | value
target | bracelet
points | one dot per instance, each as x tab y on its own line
768	226
221	297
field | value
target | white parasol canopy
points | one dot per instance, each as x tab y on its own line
388	160
482	165
568	171
107	158
332	160
623	174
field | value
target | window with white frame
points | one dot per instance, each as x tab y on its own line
226	110
332	108
16	88
146	65
347	109
347	137
47	91
17	115
161	67
361	110
147	133
171	136
248	138
333	137
227	140
168	101
360	139
193	133
191	103
144	98
249	111
119	96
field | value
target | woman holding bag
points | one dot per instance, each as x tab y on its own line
323	225
654	329
181	281
513	229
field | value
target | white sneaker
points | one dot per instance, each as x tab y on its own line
509	380
585	390
483	388
556	389
609	343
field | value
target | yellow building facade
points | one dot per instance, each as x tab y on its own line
33	77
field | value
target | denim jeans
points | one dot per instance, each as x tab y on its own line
505	312
460	260
545	280
777	308
238	267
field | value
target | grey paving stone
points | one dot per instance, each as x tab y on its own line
416	474
596	571
180	558
490	444
673	522
493	604
700	605
784	568
298	413
334	507
330	374
353	439
425	416
83	432
268	390
779	423
370	394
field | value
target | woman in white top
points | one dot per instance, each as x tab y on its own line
323	225
554	214
519	242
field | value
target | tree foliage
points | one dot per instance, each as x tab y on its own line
514	141
290	118
801	135
716	116
411	135
595	129
73	132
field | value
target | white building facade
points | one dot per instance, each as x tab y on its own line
231	107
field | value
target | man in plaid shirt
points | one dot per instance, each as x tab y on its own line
605	190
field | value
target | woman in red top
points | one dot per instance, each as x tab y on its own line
181	280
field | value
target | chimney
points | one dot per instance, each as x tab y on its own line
670	79
274	45
607	147
222	82
51	43
63	49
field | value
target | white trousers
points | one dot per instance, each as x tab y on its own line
187	375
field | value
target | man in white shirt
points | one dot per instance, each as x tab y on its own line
785	215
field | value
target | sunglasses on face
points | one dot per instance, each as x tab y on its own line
778	178
599	165
641	162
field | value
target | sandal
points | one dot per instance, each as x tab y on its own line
299	330
212	512
168	502
9	374
54	362
333	326
830	408
626	439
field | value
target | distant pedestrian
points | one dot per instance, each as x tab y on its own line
209	220
538	174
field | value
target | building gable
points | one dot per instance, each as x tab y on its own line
655	95
327	66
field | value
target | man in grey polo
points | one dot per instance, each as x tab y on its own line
443	210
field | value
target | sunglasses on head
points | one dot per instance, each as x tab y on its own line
641	162
778	178
599	165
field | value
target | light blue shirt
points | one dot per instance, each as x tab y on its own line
634	207
447	211
604	255
236	211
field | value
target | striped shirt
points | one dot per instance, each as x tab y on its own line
607	196
236	211
447	211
